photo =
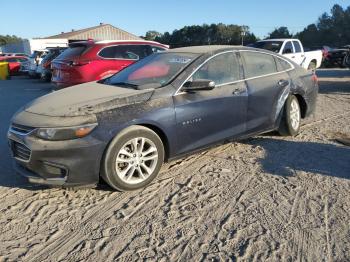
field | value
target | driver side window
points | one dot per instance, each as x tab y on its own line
221	69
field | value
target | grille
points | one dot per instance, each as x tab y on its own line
22	129
20	151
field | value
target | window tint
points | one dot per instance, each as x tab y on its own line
72	52
297	47
288	48
258	64
156	49
11	60
133	52
154	71
282	64
274	46
221	69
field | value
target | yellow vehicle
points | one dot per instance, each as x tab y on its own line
4	70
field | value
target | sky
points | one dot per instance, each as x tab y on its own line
40	18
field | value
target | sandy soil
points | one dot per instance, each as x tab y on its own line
267	198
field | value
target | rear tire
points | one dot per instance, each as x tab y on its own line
133	159
291	118
312	66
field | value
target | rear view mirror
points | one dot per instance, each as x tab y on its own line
199	85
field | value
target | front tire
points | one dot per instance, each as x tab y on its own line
291	118
133	159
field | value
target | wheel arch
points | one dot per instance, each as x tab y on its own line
302	104
160	132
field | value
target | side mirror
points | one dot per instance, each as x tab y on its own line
199	85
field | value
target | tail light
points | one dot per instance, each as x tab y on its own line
314	78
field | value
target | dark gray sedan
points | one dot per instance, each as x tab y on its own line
169	104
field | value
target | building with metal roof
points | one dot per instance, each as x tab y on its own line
100	32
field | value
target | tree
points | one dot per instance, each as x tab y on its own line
7	39
281	32
214	34
152	35
331	29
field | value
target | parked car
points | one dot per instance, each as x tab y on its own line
89	61
337	57
14	63
44	68
35	59
292	49
164	106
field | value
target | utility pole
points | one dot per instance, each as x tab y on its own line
244	31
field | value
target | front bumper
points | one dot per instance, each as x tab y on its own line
65	163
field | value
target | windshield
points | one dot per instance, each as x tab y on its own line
273	46
154	71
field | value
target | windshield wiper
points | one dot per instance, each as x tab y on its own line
123	84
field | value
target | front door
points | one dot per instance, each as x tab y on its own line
205	117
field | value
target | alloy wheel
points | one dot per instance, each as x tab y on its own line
136	160
295	114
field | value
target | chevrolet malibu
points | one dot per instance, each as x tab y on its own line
162	107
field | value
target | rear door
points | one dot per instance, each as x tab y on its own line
288	51
299	54
266	87
205	117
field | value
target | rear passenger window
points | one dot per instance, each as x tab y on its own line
282	65
258	64
221	69
288	48
297	47
130	52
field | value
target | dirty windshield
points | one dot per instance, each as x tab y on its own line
153	71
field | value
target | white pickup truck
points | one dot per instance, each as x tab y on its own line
292	49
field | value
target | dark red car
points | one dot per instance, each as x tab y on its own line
90	61
14	63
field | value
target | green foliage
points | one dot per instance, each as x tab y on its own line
214	34
281	32
152	35
8	39
331	29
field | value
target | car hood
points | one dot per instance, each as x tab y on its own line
85	99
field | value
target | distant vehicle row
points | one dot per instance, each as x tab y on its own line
87	61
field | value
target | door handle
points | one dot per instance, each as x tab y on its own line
283	83
293	56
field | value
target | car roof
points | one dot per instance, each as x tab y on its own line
111	42
279	39
208	49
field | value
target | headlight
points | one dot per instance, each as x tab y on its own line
65	133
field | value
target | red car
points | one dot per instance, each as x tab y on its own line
14	63
90	61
